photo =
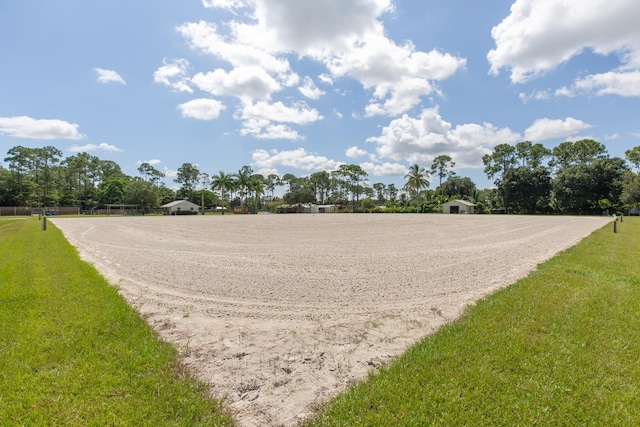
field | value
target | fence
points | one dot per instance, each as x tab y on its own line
27	211
123	212
14	211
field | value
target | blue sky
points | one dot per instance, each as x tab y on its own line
292	86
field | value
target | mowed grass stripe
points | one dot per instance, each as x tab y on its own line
559	348
73	352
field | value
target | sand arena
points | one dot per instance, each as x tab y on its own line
280	312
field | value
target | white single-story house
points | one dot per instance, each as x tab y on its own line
180	206
458	207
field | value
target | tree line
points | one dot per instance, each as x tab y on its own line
575	177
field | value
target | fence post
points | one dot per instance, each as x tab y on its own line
615	226
44	223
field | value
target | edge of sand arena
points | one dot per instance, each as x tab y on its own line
280	312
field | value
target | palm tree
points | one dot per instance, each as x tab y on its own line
256	185
416	182
205	180
243	179
222	182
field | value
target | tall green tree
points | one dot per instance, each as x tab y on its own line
339	187
392	192
108	169
502	159
273	181
8	189
112	190
165	194
579	188
187	176
442	167
630	196
46	159
321	183
142	193
462	187
380	190
355	176
571	153
20	160
288	179
633	156
416	181
526	189
300	190
149	173
81	178
530	154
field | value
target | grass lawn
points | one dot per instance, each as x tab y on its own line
559	348
74	353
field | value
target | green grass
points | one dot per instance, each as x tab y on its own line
73	353
559	348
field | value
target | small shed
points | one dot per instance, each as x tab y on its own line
458	207
180	207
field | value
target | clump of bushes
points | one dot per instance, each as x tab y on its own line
184	213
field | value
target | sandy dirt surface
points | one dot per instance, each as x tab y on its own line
280	312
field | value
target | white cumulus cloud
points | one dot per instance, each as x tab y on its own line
174	74
355	152
246	83
384	169
611	83
45	129
544	129
421	139
109	76
399	75
264	129
224	4
238	49
202	109
347	38
309	89
259	119
93	147
152	162
539	35
319	26
298	113
298	159
170	173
